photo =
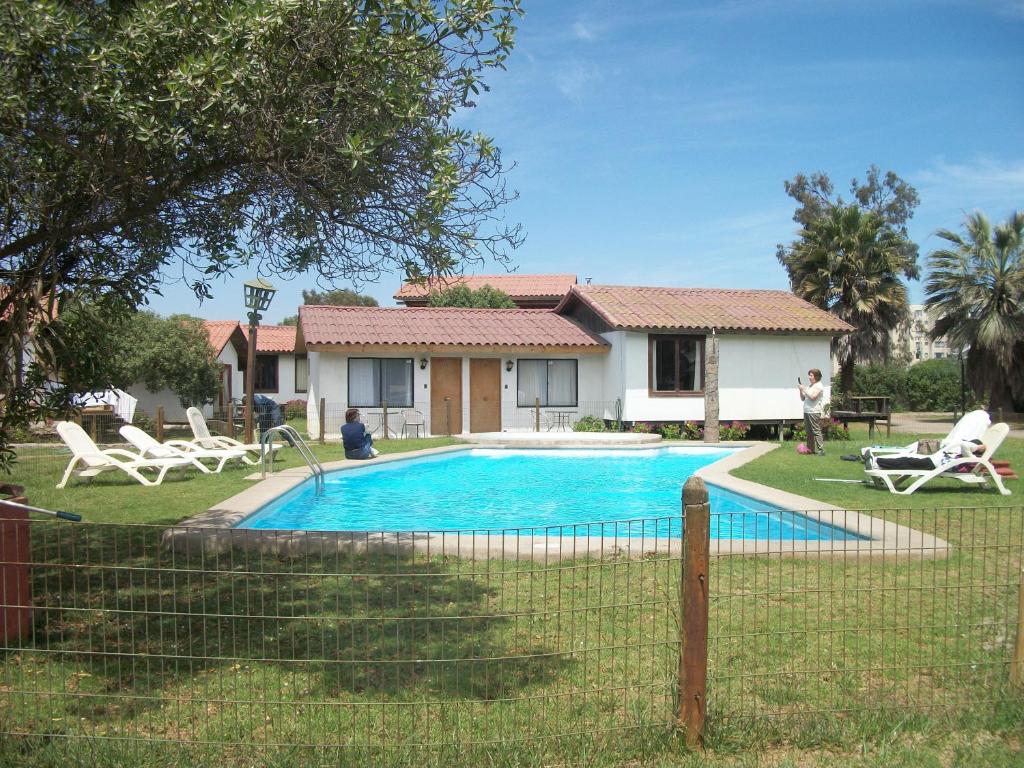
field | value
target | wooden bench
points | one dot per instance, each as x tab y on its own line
870	408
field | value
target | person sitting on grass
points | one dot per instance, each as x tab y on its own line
357	441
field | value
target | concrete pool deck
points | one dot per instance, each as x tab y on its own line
214	531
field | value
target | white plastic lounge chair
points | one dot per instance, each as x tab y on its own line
971	426
149	446
88	459
946	467
203	438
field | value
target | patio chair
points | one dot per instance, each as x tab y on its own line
89	460
203	438
971	426
148	446
974	470
412	418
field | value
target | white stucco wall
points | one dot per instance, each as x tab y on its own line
328	377
757	378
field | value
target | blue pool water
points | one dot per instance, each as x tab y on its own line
549	489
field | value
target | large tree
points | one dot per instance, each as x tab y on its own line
140	140
461	295
975	290
850	263
340	297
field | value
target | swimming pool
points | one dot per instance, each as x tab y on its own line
551	491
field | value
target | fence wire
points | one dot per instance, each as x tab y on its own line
367	654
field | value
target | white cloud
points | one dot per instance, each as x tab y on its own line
574	79
983	177
582	31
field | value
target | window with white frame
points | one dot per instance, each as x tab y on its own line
553	382
375	380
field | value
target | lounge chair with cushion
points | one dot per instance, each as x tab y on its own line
971	426
89	460
951	463
150	447
203	438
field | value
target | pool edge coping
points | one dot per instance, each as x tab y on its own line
214	529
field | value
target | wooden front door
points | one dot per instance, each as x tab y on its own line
445	395
484	395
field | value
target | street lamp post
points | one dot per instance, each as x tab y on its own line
258	294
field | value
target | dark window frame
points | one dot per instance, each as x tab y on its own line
412	383
653	339
295	371
276	369
546	360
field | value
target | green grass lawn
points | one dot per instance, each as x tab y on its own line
812	663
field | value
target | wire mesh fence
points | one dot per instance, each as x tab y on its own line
518	646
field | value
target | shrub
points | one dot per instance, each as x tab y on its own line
797	432
881	380
933	385
641	427
833	429
294	409
589	424
670	431
693	431
735	431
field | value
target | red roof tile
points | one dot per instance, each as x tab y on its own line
444	326
515	285
627	306
273	338
220	332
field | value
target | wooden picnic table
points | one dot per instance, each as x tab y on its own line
867	408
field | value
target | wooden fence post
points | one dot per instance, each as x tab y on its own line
536	414
693	598
159	423
1017	666
384	420
323	421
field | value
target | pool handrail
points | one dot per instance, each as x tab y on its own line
267	450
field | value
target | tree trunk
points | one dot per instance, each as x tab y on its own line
846	377
711	432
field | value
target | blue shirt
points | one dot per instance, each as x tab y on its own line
353	435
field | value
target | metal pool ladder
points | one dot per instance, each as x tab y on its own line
267	450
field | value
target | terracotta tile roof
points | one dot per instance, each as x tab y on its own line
515	285
442	326
273	338
220	332
627	306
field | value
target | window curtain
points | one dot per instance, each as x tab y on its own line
363	382
561	382
532	382
397	375
301	373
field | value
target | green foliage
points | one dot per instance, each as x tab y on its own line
693	431
670	431
485	297
202	136
641	427
975	289
737	430
882	380
589	424
850	262
294	409
342	297
932	385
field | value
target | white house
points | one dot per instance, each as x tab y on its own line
229	344
280	372
626	352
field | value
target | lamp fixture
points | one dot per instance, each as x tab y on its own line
423	363
258	294
509	364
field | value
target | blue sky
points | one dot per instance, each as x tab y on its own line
651	139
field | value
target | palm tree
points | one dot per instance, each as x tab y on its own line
975	290
850	263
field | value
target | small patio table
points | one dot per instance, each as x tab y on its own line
562	420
